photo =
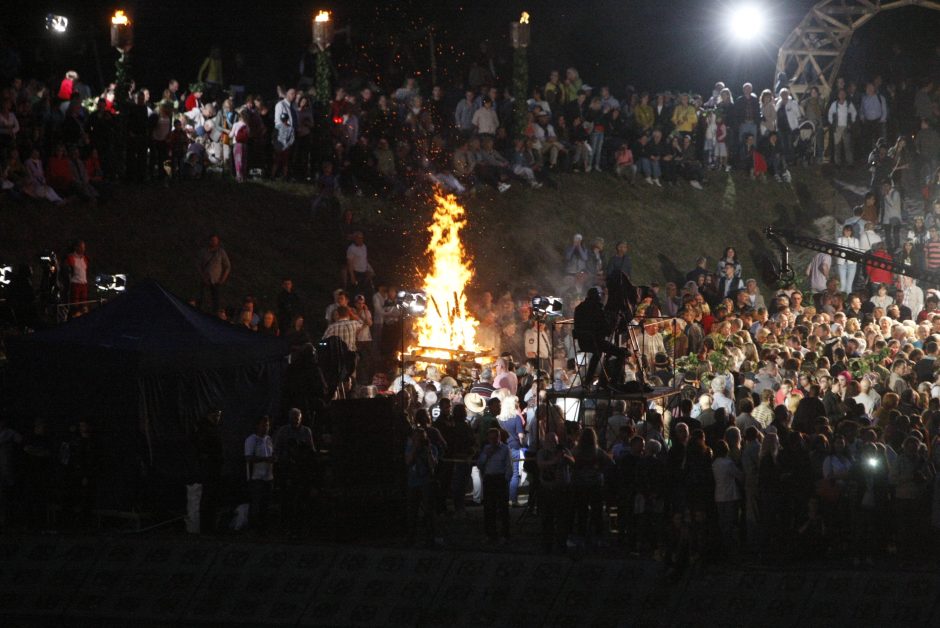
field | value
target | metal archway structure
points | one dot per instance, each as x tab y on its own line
812	54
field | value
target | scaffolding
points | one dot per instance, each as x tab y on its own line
812	54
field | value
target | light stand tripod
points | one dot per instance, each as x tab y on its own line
412	304
543	309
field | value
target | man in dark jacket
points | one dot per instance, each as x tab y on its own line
808	410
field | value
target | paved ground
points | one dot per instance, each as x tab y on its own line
167	578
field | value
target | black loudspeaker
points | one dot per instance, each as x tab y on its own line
367	458
367	445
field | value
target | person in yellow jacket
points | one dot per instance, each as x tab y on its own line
211	69
684	116
572	85
644	115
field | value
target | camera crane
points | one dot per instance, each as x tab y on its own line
786	274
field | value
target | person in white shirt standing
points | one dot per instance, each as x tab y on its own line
842	115
891	216
358	270
259	457
847	268
285	115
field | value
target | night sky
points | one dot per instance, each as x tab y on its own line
652	44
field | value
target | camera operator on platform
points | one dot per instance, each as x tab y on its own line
592	331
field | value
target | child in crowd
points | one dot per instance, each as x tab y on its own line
626	167
721	143
711	132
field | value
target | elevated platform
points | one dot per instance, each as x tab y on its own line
657	394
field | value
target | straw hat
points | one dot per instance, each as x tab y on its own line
474	403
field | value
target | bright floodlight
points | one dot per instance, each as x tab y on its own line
747	22
111	283
412	303
57	23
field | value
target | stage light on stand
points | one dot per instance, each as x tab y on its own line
57	23
111	283
412	303
543	307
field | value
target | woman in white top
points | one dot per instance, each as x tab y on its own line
37	186
847	268
768	113
882	299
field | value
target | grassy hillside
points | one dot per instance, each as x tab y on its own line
516	238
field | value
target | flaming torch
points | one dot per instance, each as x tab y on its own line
519	32
322	30
519	36
322	39
122	32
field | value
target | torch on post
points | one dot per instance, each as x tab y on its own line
323	39
122	39
519	37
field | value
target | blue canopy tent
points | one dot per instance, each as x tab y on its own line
145	369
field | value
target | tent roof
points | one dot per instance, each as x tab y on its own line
149	328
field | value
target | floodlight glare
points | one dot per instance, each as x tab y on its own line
546	306
748	22
111	283
57	23
412	303
6	275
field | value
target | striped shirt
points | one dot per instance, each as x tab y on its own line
932	253
345	330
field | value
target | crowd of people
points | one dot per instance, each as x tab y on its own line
61	140
807	420
807	429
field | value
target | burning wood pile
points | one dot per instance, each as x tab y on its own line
447	331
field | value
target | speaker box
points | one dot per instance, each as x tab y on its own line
367	441
367	458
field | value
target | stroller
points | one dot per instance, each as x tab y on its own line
804	143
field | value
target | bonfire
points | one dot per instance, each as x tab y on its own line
447	330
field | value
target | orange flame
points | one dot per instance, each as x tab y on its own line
525	18
322	16
120	18
447	323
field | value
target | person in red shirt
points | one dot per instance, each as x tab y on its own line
194	100
932	249
77	265
67	85
59	171
93	167
931	307
879	275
